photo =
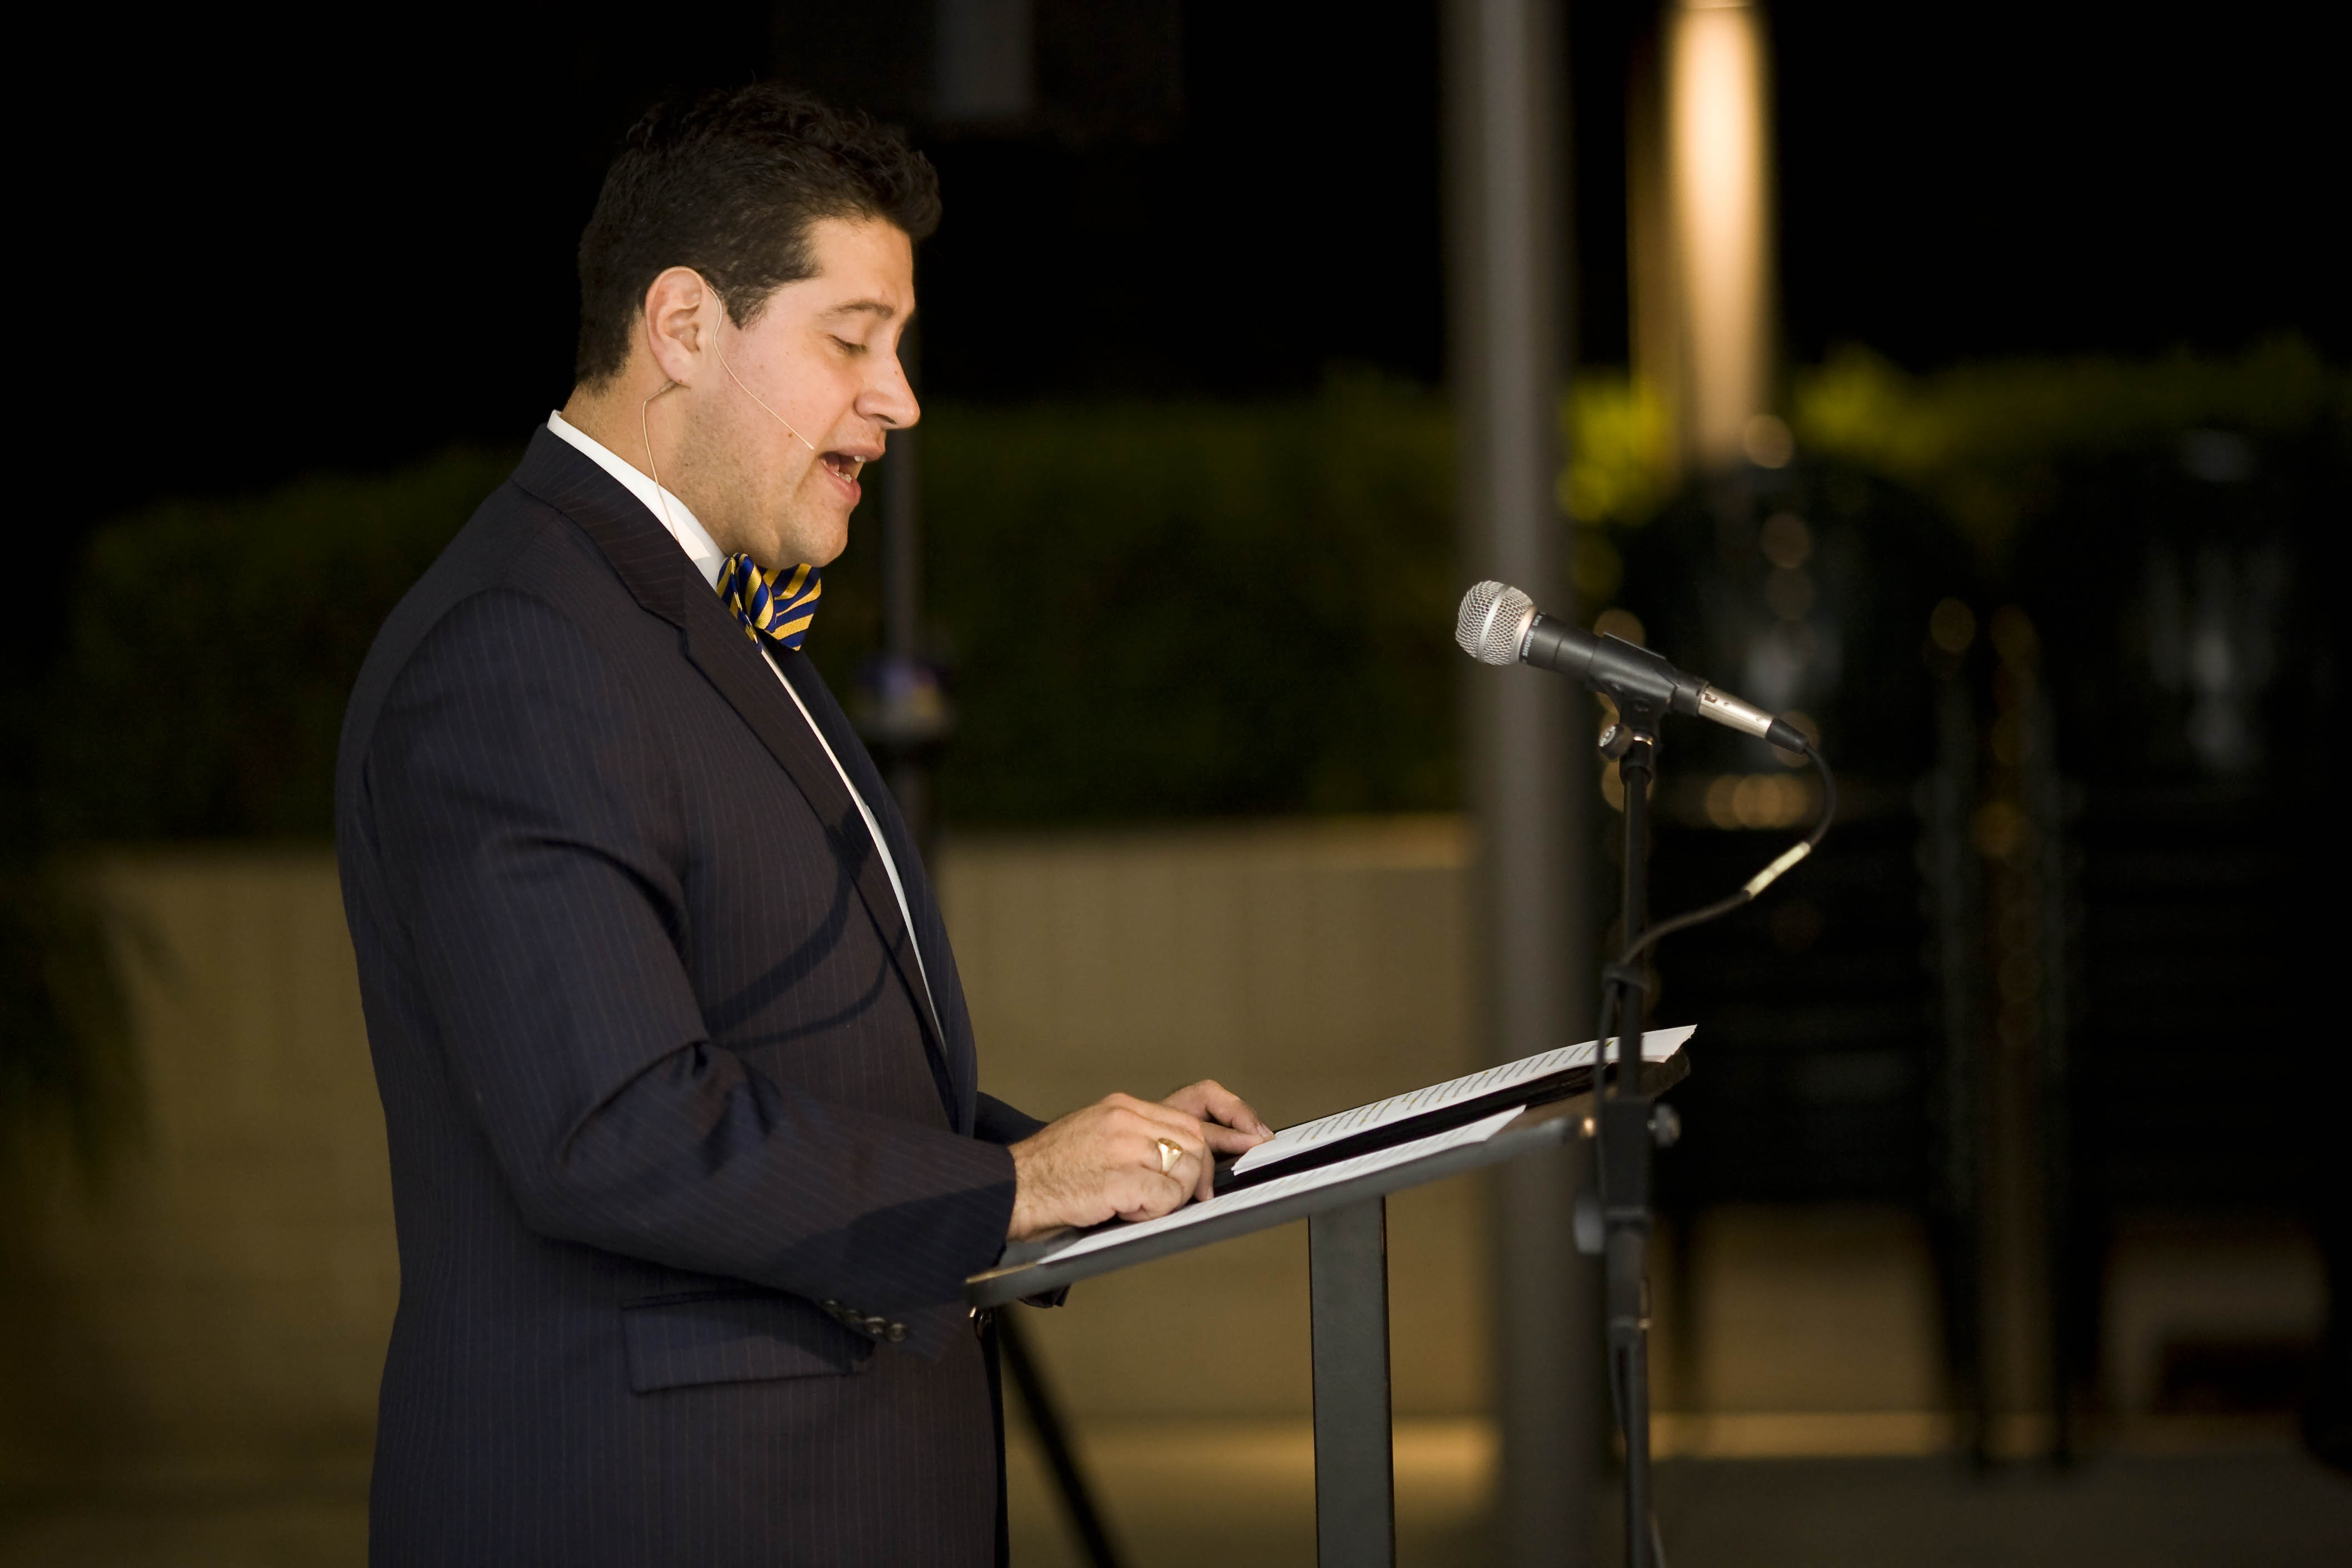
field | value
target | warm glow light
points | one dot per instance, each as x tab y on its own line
1618	621
1716	159
1952	626
1760	801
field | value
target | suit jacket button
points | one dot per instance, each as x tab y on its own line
898	1333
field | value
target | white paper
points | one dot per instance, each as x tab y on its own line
1284	1187
1657	1046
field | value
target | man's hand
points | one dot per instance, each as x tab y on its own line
1227	1119
1104	1162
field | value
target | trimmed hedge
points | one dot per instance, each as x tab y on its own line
1152	610
212	645
1147	610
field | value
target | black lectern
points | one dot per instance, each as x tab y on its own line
1348	1289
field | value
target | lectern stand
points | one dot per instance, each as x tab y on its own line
1347	1255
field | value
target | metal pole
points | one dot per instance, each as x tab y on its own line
1622	1119
905	731
1355	1453
1505	66
902	608
1053	1437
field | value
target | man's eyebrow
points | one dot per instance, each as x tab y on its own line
868	307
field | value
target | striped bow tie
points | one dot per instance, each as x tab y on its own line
777	610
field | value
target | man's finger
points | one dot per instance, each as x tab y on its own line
1156	1194
1150	1151
1179	1128
1211	1100
1190	1169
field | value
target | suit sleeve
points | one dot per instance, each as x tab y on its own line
1000	1123
517	800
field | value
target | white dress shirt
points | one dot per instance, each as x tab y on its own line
709	558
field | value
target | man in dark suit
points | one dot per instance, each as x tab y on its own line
689	1160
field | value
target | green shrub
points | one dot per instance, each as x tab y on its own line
1982	439
212	645
1171	610
1152	610
1148	610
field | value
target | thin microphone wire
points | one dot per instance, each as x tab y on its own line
1761	880
1747	894
645	430
755	397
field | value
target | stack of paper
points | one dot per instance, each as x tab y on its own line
1565	1071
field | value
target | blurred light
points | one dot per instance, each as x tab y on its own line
2217	456
1716	140
1619	622
1999	830
1952	626
1789	593
1785	540
1767	442
2013	637
984	70
2008	739
1760	801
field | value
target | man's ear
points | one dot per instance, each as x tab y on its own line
678	324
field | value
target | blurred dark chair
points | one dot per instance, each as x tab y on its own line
2187	642
1838	1016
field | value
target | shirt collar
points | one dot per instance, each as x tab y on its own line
668	509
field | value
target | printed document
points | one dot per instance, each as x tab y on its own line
1306	1136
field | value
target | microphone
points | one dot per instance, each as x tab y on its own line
1500	625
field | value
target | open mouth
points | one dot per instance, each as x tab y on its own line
843	467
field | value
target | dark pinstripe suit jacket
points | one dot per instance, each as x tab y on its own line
687	1180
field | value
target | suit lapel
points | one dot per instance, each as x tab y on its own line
716	644
661	578
931	931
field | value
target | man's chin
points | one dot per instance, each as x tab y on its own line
819	541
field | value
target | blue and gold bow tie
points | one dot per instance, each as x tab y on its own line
776	610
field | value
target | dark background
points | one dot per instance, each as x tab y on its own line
315	281
270	247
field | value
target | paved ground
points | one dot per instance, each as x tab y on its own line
1247	1500
2272	1508
1239	1496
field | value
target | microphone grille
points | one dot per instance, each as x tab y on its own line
1493	624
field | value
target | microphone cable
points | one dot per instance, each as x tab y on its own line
1624	972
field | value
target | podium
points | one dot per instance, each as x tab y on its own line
1348	1291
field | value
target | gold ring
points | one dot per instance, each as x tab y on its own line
1170	1151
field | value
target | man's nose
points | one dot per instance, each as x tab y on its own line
891	401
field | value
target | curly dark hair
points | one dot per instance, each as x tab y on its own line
728	182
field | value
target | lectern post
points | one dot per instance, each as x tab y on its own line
1355	1470
1345	1205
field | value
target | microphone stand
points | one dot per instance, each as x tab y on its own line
1614	1221
1626	1124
